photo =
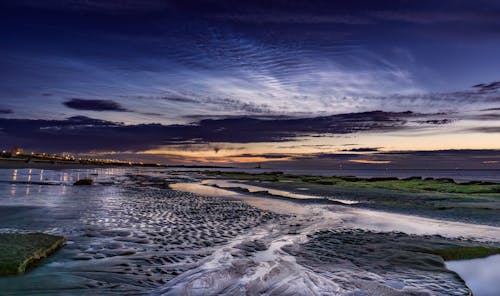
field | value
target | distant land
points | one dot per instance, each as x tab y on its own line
17	159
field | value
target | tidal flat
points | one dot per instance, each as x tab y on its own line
473	201
156	232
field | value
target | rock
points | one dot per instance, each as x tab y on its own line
84	182
19	251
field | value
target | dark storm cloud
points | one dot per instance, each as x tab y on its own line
6	111
94	105
363	149
81	134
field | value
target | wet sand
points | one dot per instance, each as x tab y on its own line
333	250
146	232
125	239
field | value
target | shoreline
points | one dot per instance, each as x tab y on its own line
21	163
50	164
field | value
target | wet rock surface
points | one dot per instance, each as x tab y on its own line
384	263
20	251
480	209
84	182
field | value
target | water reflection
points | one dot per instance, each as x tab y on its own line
480	275
13	190
282	193
30	181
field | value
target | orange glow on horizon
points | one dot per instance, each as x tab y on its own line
368	161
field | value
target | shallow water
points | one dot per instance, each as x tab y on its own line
349	217
282	193
481	275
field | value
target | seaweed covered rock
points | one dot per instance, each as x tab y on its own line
84	182
18	251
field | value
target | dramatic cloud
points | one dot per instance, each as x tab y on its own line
81	134
207	74
94	105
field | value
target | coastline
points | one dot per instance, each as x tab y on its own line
23	163
49	165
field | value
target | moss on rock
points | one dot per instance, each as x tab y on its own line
84	182
464	253
413	184
19	251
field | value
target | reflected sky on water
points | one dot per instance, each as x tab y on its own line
481	275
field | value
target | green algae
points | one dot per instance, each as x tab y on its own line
465	253
84	182
19	251
413	184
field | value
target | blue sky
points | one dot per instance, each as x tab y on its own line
179	62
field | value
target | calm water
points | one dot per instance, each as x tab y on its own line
481	275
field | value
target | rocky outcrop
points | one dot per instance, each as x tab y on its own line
19	251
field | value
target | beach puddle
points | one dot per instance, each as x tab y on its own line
275	192
482	275
336	216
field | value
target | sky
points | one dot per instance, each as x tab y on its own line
298	84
